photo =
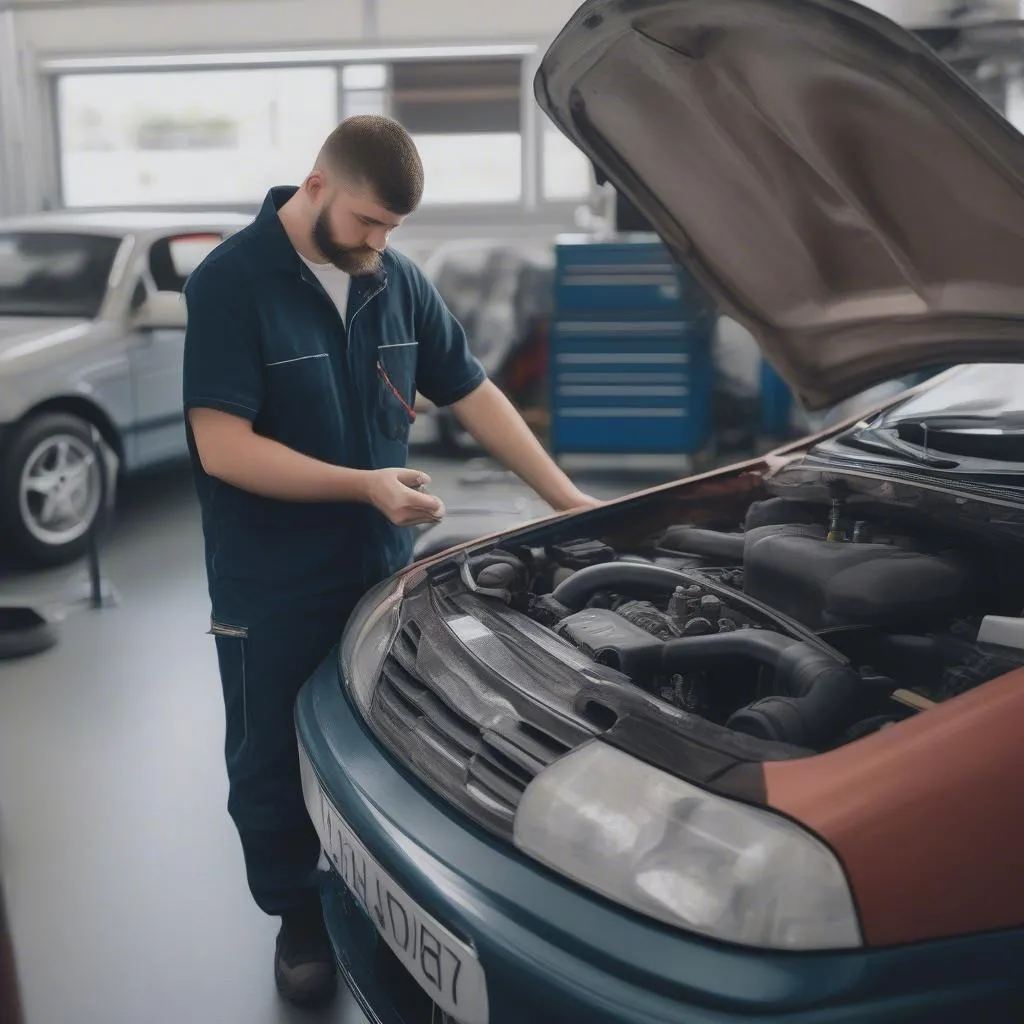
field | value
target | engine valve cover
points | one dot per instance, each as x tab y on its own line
820	583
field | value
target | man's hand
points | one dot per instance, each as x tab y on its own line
581	501
393	492
231	451
492	419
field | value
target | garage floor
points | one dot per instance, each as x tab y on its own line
122	869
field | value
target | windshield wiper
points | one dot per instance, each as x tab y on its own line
988	438
868	439
1009	422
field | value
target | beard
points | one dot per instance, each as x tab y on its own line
354	260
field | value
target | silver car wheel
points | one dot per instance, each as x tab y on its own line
59	490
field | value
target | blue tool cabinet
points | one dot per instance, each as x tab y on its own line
629	352
776	404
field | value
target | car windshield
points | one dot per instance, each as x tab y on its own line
989	391
52	273
969	421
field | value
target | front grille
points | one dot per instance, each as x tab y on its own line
479	752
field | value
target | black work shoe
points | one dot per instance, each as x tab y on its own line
304	965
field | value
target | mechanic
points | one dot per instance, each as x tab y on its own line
308	340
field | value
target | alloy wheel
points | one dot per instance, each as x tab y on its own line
59	489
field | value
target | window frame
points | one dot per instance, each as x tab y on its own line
531	201
138	271
57	195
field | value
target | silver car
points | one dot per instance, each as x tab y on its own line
92	326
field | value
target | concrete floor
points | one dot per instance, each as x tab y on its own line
122	870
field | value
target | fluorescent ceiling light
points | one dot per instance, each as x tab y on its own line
271	58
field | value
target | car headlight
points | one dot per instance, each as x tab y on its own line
682	855
368	638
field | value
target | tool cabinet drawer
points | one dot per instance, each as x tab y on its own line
616	277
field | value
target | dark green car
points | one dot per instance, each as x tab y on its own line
745	747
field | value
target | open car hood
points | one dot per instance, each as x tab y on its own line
838	189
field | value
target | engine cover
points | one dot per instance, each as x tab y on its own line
793	569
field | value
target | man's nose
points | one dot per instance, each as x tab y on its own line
378	239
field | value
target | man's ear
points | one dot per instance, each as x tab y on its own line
315	183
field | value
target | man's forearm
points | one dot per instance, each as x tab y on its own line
232	452
496	424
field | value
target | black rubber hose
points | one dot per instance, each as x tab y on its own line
817	700
817	697
624	577
692	540
756	644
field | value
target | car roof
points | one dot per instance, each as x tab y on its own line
125	221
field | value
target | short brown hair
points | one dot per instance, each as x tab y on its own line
377	151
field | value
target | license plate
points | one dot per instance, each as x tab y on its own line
446	968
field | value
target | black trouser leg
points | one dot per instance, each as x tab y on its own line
262	673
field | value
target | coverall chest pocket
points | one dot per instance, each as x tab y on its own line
396	389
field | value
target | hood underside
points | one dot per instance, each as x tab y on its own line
841	192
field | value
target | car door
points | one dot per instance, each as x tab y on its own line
157	348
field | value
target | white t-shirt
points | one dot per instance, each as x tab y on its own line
336	283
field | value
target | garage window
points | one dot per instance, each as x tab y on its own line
131	134
364	89
190	137
567	172
465	116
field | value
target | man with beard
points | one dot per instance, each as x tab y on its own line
307	342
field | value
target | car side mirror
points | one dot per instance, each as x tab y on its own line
160	311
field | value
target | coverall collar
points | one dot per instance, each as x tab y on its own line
280	253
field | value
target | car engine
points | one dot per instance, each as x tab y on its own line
799	625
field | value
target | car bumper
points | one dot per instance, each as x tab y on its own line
553	952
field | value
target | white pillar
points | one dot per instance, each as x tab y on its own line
371	23
12	119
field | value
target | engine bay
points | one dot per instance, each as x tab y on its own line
806	623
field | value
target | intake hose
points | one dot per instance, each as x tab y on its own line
692	540
625	577
760	645
817	699
817	696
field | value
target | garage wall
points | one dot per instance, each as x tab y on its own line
72	26
124	26
920	13
48	29
152	26
36	31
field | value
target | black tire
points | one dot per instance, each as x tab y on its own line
21	546
24	633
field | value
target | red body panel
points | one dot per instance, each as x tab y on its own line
927	816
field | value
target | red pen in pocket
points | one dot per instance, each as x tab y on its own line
383	374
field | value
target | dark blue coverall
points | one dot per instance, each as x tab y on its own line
265	342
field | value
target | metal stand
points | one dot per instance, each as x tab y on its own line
101	594
11	1011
